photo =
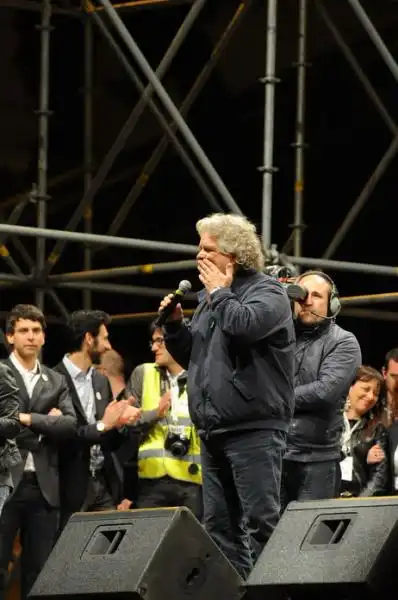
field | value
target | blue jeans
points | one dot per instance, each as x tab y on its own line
241	492
309	480
4	493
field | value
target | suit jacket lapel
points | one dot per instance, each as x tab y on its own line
23	392
41	385
74	395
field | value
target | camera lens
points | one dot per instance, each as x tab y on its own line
178	449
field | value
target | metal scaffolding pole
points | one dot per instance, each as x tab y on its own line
30	5
362	198
18	245
170	107
147	92
91	238
120	141
4	252
299	145
363	313
338	265
270	81
203	186
14	218
121	319
113	288
375	37
88	145
144	4
354	64
185	107
60	179
125	271
393	148
20	277
10	262
41	195
378	315
16	278
370	299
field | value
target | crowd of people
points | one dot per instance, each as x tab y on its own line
254	403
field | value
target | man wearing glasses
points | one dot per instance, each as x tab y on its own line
390	374
169	470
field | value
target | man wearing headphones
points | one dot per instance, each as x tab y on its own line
327	358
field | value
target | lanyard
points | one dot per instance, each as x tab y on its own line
174	399
347	435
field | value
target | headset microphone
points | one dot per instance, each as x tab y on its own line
324	316
183	287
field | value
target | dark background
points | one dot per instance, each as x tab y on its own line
345	133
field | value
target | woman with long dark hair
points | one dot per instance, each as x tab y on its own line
365	419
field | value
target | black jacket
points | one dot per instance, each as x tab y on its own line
45	434
327	358
392	448
9	419
10	405
75	456
239	352
367	479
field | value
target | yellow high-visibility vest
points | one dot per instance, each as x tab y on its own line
153	460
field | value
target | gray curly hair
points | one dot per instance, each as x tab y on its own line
235	235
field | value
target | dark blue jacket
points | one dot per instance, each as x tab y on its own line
239	352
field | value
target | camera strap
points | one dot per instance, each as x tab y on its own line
178	401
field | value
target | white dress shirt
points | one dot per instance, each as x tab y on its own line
30	377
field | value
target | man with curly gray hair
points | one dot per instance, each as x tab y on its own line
239	352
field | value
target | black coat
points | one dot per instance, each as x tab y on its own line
392	448
239	352
9	419
75	456
368	479
47	432
10	405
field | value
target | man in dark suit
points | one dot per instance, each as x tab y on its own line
47	416
91	476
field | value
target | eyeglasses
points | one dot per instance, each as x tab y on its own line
156	340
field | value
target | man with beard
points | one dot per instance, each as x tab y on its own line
390	374
90	475
327	358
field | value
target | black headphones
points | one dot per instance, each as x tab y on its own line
334	300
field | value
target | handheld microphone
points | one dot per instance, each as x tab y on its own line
183	287
296	292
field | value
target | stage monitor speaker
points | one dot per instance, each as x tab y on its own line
159	554
345	549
